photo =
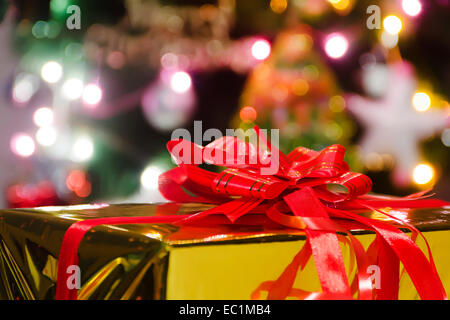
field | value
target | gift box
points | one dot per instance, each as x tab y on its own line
157	259
269	225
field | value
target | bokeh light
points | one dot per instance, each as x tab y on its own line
40	29
445	137
74	51
165	109
51	71
248	114
43	117
336	45
169	61
22	145
423	174
116	59
336	103
180	82
46	136
59	6
389	40
75	179
278	6
340	4
77	182
149	177
92	94
392	24
72	88
300	87
25	85
83	149
53	29
261	49
412	7
421	101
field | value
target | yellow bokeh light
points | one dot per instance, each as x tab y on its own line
421	101
340	4
423	173
392	24
336	103
278	6
300	87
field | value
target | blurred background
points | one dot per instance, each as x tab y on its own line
90	91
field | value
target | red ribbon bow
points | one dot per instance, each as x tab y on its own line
297	197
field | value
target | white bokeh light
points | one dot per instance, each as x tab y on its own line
412	7
261	49
423	174
421	101
336	45
25	85
43	117
46	136
445	137
149	177
389	40
72	88
92	94
83	149
22	145
392	24
180	82
51	72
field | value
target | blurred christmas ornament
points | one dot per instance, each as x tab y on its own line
393	123
169	102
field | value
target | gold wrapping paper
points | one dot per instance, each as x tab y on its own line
163	261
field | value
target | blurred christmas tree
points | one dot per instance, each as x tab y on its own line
295	91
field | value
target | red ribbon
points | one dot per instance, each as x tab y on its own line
296	196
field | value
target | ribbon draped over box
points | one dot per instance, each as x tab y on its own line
297	196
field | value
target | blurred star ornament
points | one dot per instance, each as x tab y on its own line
392	126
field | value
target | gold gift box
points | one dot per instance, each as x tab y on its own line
164	261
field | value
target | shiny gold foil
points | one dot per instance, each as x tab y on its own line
156	261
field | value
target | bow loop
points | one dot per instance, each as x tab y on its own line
232	152
310	164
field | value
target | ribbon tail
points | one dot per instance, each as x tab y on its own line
321	232
422	273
